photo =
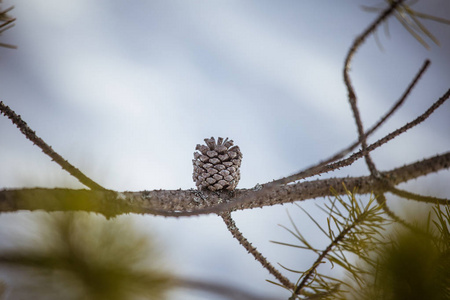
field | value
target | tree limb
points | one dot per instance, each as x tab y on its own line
179	203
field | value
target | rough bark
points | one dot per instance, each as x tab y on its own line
189	202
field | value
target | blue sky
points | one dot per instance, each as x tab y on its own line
125	90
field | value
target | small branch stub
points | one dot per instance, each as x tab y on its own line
216	165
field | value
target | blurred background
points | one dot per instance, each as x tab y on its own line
124	90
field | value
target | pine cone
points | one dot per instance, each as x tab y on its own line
216	165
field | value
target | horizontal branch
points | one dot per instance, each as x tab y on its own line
192	202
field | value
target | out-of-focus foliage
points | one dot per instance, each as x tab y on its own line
382	260
352	229
413	264
6	22
85	256
411	21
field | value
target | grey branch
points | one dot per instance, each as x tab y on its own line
237	234
179	203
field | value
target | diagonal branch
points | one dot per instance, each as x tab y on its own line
351	92
417	197
307	275
31	135
360	39
6	22
316	170
268	188
381	199
234	230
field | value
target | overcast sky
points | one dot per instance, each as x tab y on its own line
124	90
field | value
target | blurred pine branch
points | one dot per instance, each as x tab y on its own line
411	20
6	22
89	257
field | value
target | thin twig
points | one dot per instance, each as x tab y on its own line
31	135
360	39
316	169
381	199
351	92
8	46
231	225
390	136
307	275
5	24
339	164
411	124
8	22
417	197
3	13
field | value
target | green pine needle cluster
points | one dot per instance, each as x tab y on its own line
352	228
411	20
381	260
6	22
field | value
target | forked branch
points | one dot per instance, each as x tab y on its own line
269	189
316	169
351	91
